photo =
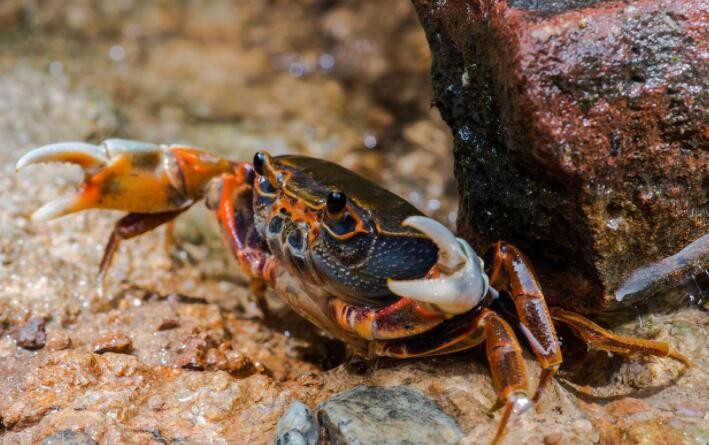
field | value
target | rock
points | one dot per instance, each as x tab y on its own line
113	342
168	323
298	426
192	352
553	438
58	339
395	415
31	334
69	437
580	134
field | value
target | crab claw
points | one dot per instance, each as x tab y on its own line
128	175
462	284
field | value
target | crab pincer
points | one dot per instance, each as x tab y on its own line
155	183
128	175
461	284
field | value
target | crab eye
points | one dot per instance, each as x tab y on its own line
259	162
336	202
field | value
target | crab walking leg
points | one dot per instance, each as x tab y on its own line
130	226
509	374
403	318
510	270
504	353
600	338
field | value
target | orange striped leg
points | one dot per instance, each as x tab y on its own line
456	334
509	374
235	215
130	226
511	271
600	338
403	318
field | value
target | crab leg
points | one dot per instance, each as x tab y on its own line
235	215
231	196
511	271
509	374
130	226
504	354
600	338
403	318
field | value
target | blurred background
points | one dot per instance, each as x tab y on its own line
345	80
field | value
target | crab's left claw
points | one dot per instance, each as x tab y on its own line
128	175
462	283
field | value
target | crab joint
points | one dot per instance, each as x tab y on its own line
462	284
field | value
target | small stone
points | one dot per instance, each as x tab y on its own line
192	355
31	334
235	363
239	365
113	342
156	403
553	438
168	323
298	426
58	340
68	437
396	415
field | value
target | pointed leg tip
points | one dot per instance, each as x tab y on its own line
686	361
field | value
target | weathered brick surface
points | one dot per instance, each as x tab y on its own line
581	133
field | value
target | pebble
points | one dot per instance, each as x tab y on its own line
298	426
396	415
168	323
553	438
192	352
58	340
113	342
31	335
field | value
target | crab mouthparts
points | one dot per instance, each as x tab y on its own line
463	283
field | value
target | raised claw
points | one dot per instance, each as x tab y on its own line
462	283
129	175
86	155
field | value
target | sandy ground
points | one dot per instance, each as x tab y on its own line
189	358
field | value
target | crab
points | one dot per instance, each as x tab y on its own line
356	260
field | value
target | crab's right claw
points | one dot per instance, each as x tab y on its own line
462	283
129	175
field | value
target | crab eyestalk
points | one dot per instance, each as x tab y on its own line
462	283
129	175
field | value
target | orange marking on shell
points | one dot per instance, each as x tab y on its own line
359	225
314	209
297	212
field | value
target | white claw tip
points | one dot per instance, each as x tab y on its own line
54	209
463	282
450	254
83	154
